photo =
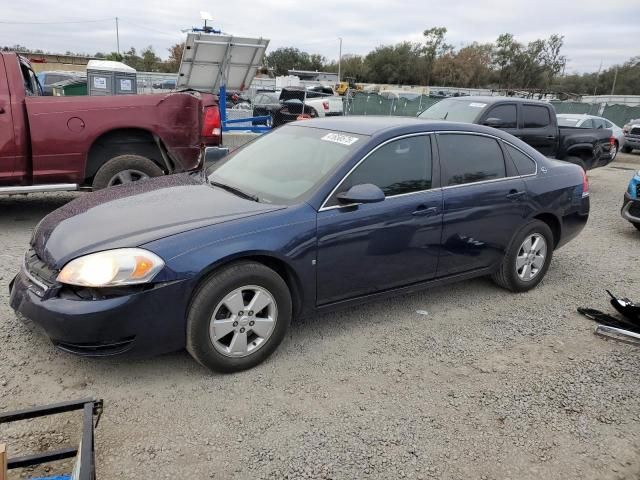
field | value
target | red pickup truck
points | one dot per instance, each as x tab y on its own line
73	143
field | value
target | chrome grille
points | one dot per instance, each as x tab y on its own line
39	272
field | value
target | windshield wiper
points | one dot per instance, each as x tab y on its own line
236	191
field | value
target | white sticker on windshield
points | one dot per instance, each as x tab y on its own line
478	105
339	138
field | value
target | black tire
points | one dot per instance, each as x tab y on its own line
142	166
507	275
577	161
211	293
637	225
626	149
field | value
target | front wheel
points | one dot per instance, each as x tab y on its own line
527	259
238	317
626	149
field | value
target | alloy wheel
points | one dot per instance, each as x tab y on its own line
243	321
531	257
127	176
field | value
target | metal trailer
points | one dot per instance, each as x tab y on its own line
85	467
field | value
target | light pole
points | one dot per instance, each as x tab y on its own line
339	59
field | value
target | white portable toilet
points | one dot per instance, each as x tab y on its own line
106	77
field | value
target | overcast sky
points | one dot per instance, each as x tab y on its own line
594	30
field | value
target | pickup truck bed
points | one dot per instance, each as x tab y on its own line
56	143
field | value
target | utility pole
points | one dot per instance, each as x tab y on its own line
117	36
595	89
340	60
615	78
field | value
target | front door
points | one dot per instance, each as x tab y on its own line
368	248
7	135
483	202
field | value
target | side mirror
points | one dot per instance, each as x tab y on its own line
364	193
494	122
213	154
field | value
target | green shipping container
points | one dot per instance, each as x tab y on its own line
72	87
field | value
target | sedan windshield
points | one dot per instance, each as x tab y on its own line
286	165
454	110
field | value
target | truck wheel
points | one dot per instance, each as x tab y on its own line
527	259
637	225
577	161
626	149
238	317
125	169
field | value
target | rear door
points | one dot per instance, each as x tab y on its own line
538	128
483	199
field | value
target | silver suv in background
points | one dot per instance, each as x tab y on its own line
631	135
591	121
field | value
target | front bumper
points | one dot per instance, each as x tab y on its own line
632	142
630	209
144	323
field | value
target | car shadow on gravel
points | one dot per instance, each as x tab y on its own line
32	207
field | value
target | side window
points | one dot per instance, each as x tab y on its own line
535	116
400	166
599	123
588	123
608	124
470	158
524	164
507	113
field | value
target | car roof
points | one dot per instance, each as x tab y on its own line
494	99
376	125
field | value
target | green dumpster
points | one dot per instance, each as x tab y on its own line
71	87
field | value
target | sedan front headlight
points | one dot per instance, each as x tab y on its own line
112	268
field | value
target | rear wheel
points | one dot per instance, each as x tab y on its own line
238	317
125	169
614	151
527	260
577	161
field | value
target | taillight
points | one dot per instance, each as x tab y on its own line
211	122
325	105
585	184
612	141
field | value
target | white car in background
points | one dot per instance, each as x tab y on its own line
591	121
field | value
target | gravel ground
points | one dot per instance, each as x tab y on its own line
485	385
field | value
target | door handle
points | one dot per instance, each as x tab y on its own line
550	137
423	211
515	195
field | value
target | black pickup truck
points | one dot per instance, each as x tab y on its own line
532	121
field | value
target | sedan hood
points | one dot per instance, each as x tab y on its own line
134	214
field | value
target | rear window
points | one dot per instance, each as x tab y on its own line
535	116
454	110
524	164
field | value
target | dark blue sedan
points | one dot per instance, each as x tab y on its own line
314	215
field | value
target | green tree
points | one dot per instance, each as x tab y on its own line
434	47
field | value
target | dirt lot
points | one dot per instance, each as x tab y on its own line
487	385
